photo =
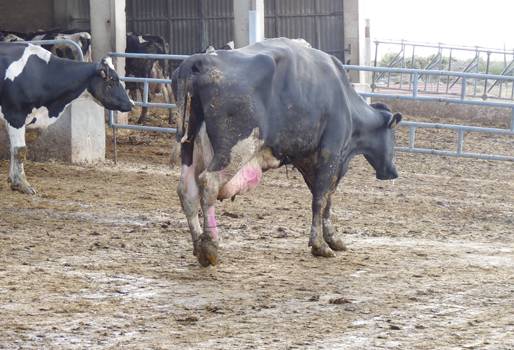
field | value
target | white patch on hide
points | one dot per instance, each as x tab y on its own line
16	68
16	136
302	42
108	62
141	39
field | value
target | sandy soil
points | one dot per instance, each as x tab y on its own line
101	258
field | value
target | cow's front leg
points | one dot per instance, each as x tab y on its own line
318	245
18	155
329	234
210	182
190	200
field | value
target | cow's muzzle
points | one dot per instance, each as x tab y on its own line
389	174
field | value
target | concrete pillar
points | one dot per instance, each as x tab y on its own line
248	22
109	34
78	136
365	77
352	25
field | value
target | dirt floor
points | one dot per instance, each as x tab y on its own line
101	258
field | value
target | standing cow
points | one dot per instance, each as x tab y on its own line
36	86
269	104
147	68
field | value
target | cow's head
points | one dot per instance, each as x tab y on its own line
107	89
379	149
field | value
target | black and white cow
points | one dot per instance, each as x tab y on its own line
82	38
272	103
147	68
36	86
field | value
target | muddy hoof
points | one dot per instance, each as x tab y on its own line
23	187
323	251
207	252
336	244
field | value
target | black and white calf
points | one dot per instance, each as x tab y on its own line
36	86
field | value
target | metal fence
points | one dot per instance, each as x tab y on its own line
71	43
466	59
463	99
415	94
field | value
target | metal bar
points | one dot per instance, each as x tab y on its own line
460	141
150	80
155	104
145	128
415	79
429	72
413	62
438	99
512	120
434	46
463	88
465	128
59	41
373	77
144	55
476	71
454	154
412	136
145	93
449	69
487	66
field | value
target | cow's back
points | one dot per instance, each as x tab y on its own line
288	90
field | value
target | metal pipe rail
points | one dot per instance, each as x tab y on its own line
144	103
444	46
463	99
481	54
57	41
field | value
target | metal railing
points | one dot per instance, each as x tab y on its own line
71	43
113	123
415	94
463	99
406	54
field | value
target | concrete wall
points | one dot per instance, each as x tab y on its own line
352	34
78	136
26	15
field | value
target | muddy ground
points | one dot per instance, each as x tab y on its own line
101	258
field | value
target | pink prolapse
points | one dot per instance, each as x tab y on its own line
246	179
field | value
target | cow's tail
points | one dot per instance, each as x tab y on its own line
189	112
182	113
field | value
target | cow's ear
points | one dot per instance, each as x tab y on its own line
101	71
395	120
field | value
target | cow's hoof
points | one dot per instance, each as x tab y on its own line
207	253
23	187
336	244
323	251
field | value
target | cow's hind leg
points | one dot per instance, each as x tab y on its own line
190	200
18	155
210	182
329	235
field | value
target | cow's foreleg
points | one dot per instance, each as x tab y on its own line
318	245
210	182
18	155
329	233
